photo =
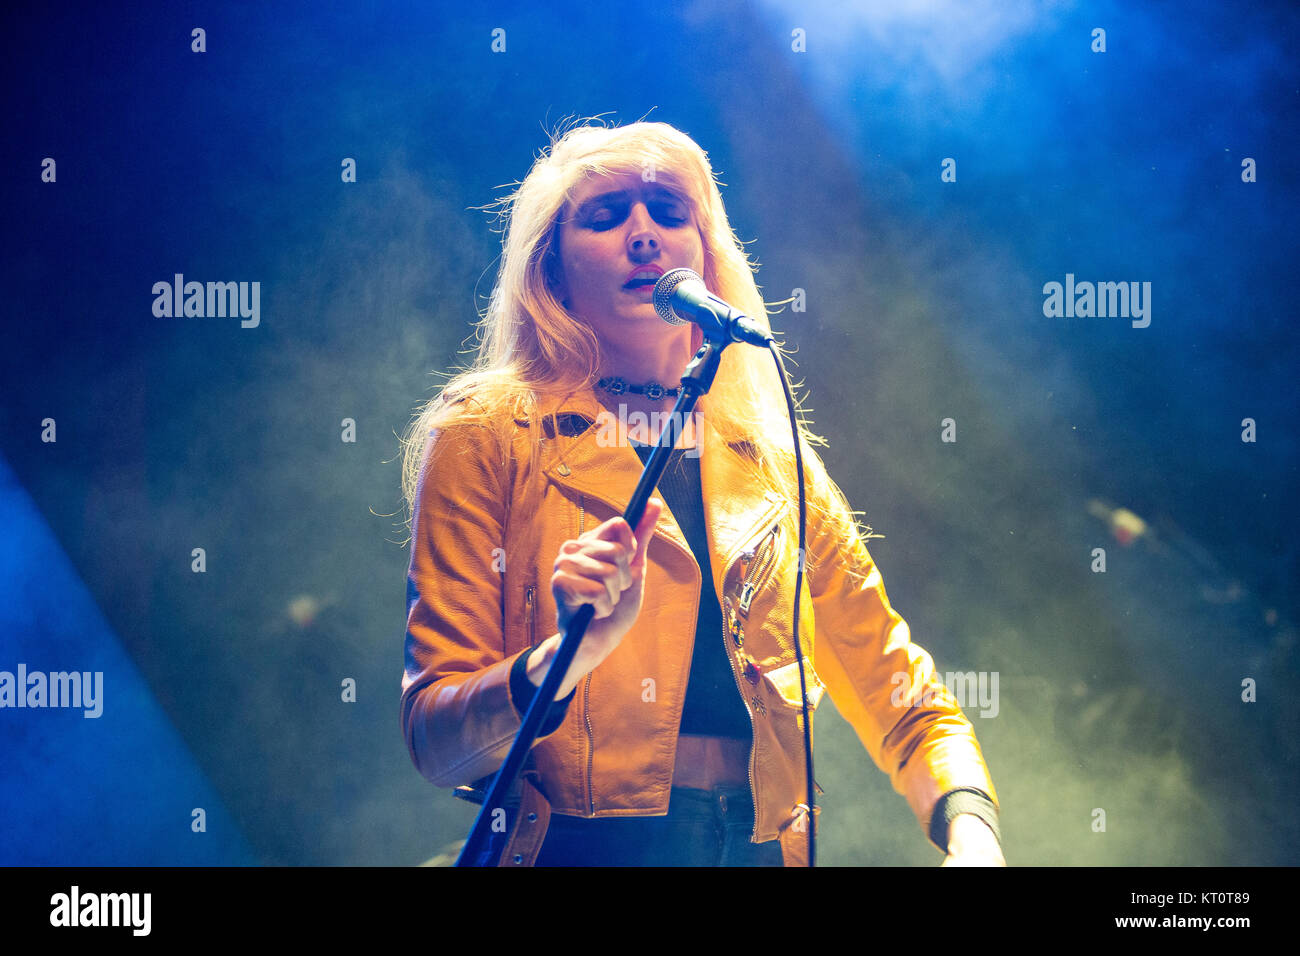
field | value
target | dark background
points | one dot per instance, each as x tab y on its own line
1119	691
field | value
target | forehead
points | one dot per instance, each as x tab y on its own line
630	184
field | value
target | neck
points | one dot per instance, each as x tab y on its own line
663	363
662	359
643	417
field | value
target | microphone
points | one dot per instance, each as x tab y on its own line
680	296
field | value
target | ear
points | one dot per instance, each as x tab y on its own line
555	277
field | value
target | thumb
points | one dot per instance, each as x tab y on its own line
645	528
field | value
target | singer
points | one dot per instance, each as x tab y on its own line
676	737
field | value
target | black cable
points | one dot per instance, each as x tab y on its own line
801	555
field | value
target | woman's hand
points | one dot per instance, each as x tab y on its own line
972	843
606	568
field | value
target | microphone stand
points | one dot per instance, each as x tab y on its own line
696	381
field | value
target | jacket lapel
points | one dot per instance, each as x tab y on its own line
736	509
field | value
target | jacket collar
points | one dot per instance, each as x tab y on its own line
737	509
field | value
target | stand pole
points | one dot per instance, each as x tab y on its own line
696	381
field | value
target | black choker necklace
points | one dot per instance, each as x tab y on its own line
651	390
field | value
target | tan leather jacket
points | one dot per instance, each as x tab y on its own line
485	536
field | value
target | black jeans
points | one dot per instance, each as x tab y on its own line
702	828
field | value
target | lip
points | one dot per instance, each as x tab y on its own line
645	268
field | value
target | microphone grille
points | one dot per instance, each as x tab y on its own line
663	294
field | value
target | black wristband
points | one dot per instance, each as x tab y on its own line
522	691
965	800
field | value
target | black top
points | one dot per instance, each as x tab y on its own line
713	705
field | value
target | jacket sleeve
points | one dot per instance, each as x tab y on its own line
458	710
883	684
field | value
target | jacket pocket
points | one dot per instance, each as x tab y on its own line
783	683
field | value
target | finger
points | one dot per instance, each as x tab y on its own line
613	573
618	554
604	550
616	529
573	591
645	529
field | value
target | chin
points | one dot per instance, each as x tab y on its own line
643	312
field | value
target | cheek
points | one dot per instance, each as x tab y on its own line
581	260
697	252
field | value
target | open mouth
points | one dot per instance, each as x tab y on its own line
643	277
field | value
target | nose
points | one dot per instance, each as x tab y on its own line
643	235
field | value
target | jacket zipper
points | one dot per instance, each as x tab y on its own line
748	588
753	728
591	746
586	695
763	560
529	608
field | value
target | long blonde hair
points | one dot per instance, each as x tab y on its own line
530	345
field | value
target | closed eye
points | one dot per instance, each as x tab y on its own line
670	213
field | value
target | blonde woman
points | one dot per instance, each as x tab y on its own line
676	736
